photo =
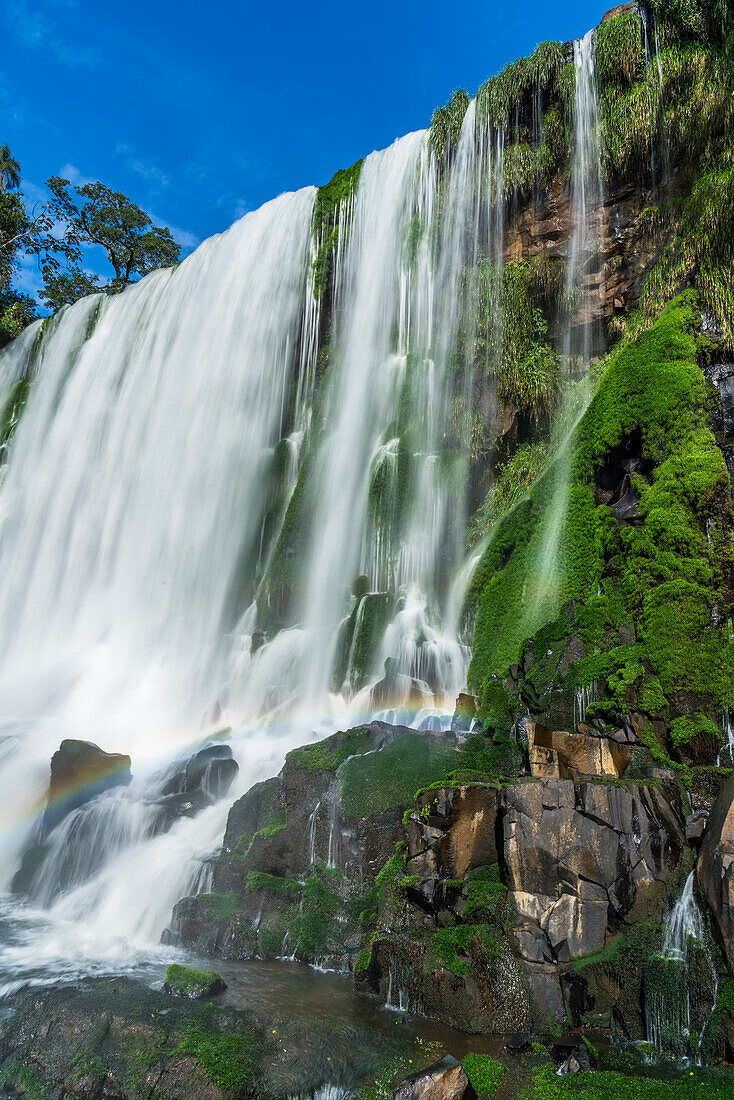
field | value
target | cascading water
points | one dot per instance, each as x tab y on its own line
583	291
140	503
680	983
147	596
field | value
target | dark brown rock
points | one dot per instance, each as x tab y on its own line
80	771
716	868
444	1080
580	858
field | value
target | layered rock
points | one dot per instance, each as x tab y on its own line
504	885
716	868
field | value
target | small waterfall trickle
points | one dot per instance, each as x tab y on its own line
725	756
680	983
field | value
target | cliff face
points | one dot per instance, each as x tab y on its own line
531	879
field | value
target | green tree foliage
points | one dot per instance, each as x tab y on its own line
9	170
97	215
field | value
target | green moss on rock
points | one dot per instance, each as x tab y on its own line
184	981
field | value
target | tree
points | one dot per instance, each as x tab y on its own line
9	170
16	309
96	215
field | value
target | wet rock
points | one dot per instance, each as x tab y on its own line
580	858
569	1066
444	1080
199	782
396	690
81	770
716	868
695	825
464	714
517	1043
453	832
183	981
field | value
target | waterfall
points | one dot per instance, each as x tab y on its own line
218	475
680	983
726	753
142	502
587	213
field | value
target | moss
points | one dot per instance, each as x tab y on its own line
220	906
725	996
514	478
228	1059
602	1084
362	962
12	411
23	1077
684	730
321	919
449	946
388	779
184	981
666	575
329	754
327	222
273	884
485	1074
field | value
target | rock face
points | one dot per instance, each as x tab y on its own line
580	858
504	886
294	862
716	867
80	771
118	1039
444	1080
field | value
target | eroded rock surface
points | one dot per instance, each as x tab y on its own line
716	867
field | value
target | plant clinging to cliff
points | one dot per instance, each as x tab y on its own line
446	123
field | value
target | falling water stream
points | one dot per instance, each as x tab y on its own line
143	509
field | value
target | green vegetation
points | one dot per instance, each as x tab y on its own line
12	412
485	1074
329	754
599	1085
514	478
327	222
389	778
220	906
228	1059
25	1078
184	981
664	574
450	946
94	215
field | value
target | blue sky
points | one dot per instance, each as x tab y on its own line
202	111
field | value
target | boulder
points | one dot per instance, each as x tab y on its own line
558	754
716	868
81	770
444	1080
183	981
695	826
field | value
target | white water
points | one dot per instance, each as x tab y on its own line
136	519
131	526
587	194
668	1011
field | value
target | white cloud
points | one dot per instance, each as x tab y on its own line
73	175
187	240
147	170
